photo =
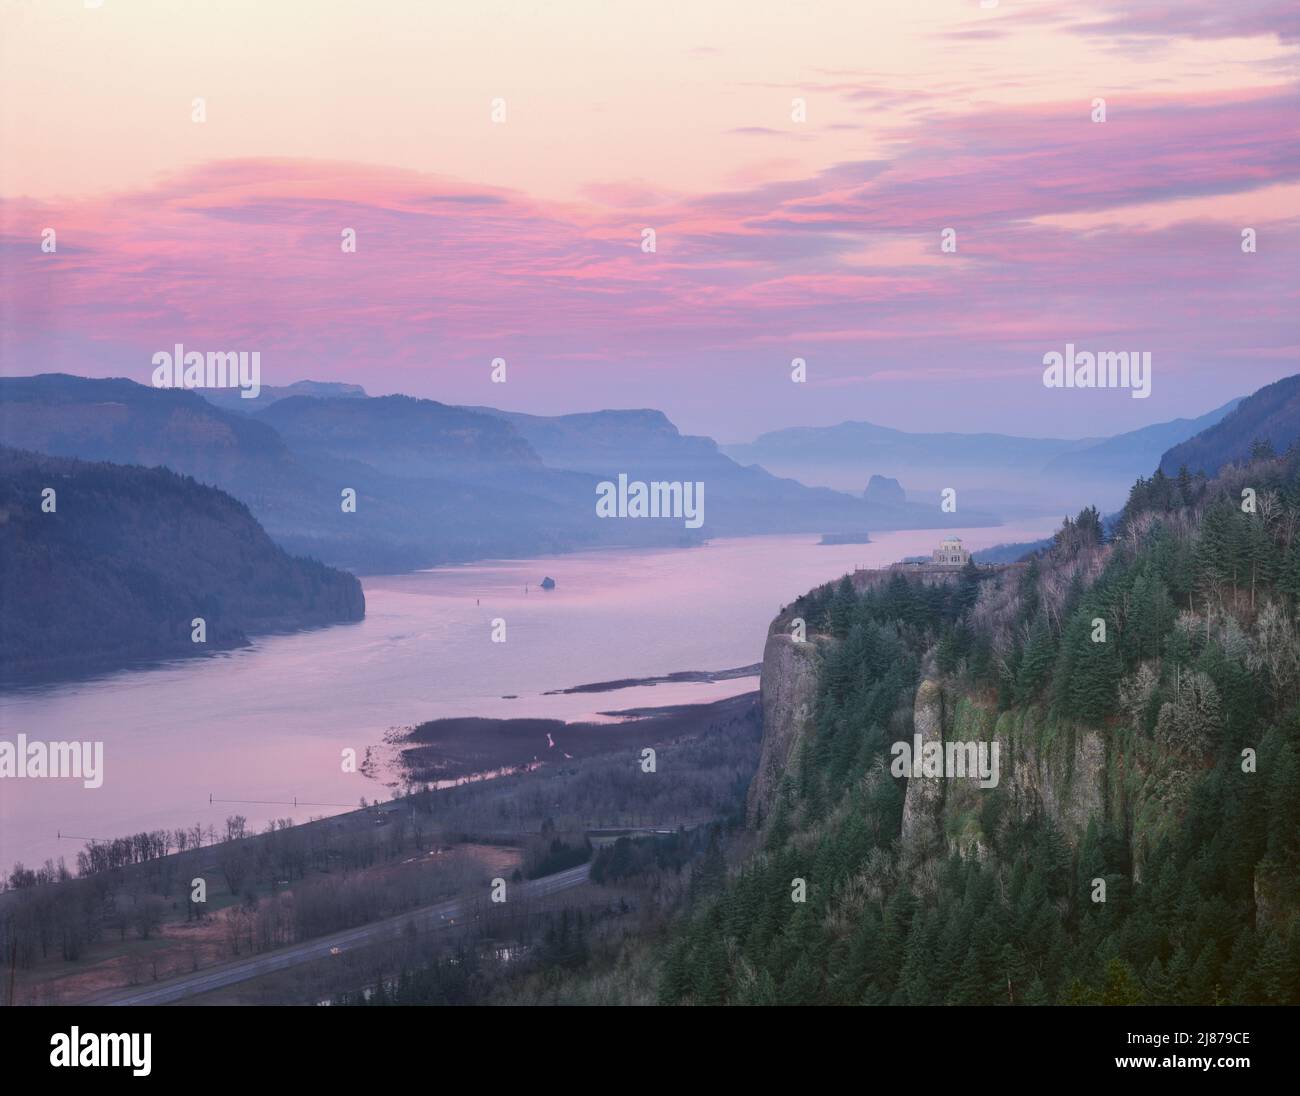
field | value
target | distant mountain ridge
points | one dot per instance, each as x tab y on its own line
434	483
232	399
865	441
405	518
741	499
442	483
1140	449
119	420
399	435
995	471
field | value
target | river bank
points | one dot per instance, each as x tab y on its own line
267	725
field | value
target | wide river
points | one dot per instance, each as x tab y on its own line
266	724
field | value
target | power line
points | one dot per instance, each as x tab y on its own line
61	836
294	802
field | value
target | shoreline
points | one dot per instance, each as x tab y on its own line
461	748
302	697
678	677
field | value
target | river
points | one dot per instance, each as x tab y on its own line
266	723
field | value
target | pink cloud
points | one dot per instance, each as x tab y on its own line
447	275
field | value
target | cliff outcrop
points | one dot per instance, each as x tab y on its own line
1045	770
788	687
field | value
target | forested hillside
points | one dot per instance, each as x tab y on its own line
1269	417
1158	754
125	558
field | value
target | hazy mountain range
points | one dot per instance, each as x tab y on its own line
231	399
438	483
434	483
646	445
1010	475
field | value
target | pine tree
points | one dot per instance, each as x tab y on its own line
1121	988
1271	977
1037	993
1036	663
842	605
1158	988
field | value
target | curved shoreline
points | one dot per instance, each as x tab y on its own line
676	678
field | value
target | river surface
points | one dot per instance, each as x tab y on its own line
267	723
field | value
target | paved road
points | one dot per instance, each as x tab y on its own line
321	947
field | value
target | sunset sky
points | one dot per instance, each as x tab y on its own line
776	238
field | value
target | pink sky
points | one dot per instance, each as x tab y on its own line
776	238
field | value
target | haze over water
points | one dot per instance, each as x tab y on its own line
268	722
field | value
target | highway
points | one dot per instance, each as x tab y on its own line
322	947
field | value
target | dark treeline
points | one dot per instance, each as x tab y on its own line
559	856
119	561
134	883
629	857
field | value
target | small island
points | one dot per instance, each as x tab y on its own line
548	583
845	538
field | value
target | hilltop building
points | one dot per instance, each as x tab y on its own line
950	553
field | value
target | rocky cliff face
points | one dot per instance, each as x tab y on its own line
924	800
788	687
1044	770
1048	768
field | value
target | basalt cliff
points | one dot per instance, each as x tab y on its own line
1139	688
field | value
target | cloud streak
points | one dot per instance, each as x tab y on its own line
447	275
